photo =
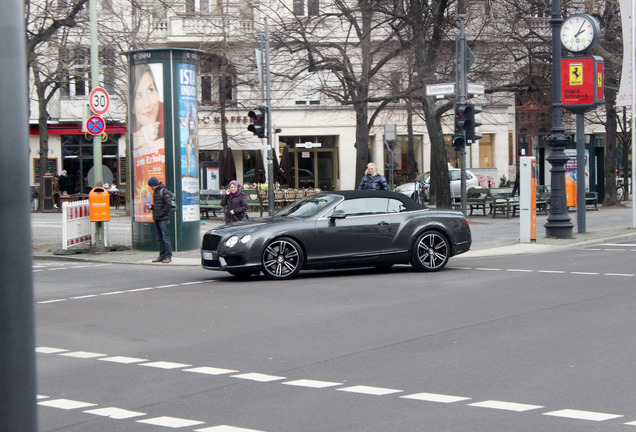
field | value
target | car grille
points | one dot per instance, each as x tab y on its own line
211	242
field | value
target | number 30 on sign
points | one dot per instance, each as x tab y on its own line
99	101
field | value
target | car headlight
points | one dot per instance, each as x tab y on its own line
246	238
231	242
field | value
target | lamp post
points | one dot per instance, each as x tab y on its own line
559	224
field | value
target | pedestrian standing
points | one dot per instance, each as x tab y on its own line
161	208
235	203
372	179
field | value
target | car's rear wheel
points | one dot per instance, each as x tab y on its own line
430	252
282	259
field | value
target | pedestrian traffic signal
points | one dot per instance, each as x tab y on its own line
472	123
458	142
258	121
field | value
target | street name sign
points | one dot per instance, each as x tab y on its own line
440	89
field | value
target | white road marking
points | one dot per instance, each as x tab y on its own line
585	273
376	391
520	270
551	271
50	350
52	301
618	274
258	377
115	413
165	365
66	404
582	415
170	422
112	293
487	269
140	289
122	359
224	428
83	354
507	406
41	397
312	383
210	370
432	397
83	297
167	286
194	283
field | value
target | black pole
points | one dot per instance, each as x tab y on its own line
558	224
17	341
580	172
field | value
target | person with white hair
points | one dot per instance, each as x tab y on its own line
372	179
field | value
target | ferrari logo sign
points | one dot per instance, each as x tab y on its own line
576	74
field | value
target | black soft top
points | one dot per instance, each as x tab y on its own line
409	204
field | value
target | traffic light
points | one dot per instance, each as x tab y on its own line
458	142
258	116
472	123
460	118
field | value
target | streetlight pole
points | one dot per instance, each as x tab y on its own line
559	224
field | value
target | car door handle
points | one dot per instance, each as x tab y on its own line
383	223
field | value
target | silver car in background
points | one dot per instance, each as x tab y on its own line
455	176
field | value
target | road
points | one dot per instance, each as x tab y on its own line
541	342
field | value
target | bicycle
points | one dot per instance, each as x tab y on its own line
419	195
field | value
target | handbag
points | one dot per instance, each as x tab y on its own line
240	216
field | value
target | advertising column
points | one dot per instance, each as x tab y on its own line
163	142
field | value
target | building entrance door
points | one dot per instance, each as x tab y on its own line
313	167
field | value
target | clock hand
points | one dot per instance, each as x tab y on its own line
580	30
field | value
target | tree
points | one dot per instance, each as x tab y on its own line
44	42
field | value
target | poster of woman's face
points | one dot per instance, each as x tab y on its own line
147	134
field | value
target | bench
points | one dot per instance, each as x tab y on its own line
475	199
501	201
209	201
591	198
255	200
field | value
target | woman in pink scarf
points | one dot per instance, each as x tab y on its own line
235	202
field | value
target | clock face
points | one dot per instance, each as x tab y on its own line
578	33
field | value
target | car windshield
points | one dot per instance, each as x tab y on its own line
308	206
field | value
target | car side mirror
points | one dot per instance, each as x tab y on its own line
338	214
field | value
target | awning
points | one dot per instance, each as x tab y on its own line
210	141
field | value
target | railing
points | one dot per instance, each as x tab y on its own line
76	224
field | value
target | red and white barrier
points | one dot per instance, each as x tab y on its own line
76	224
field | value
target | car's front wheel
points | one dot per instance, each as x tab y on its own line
282	259
430	252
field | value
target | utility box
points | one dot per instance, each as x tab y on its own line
99	205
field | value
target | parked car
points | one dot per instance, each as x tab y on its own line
338	229
454	174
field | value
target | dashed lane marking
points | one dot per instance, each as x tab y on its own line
506	406
312	383
434	397
83	354
582	415
133	290
122	359
210	370
65	404
115	413
165	365
376	391
171	422
259	377
578	273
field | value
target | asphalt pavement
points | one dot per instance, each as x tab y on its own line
491	236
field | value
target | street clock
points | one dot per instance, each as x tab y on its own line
580	33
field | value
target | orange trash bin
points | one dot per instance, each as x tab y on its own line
570	191
99	205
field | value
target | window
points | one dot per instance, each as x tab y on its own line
194	6
306	7
77	81
364	206
216	81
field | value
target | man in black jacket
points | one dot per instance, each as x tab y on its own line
161	209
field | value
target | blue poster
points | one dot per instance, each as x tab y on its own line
188	141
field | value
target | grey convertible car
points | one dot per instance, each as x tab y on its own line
335	230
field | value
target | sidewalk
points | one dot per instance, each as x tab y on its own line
491	236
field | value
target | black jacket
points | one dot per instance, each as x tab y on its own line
161	204
375	182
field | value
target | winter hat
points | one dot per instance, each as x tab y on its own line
153	181
238	185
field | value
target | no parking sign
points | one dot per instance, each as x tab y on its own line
95	125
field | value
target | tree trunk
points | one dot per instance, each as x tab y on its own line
440	186
610	147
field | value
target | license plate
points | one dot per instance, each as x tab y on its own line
209	256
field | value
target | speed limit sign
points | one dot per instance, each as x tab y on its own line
99	101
